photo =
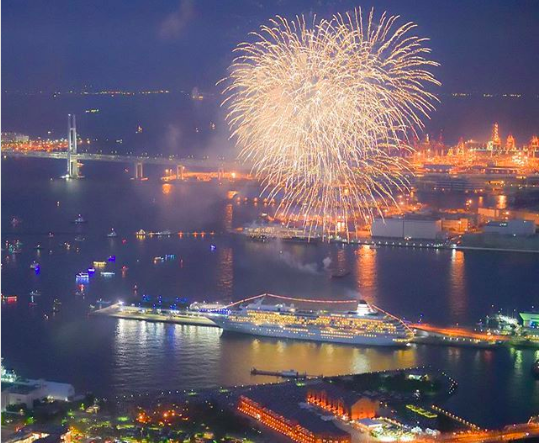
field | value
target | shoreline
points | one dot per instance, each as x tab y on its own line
432	336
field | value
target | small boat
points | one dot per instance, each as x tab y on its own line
9	298
340	274
91	271
83	276
35	293
158	260
34	265
107	274
165	233
15	221
100	264
292	373
112	234
56	305
80	219
50	235
79	238
535	369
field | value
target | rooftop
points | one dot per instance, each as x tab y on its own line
18	388
289	402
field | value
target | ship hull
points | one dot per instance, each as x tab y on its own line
309	334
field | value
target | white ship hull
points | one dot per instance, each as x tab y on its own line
311	334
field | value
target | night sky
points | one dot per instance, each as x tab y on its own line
482	45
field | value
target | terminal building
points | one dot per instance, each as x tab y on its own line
408	228
20	391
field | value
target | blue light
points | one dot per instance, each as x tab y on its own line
213	248
112	258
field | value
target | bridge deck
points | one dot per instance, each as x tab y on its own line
189	163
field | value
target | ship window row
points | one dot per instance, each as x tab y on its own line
368	325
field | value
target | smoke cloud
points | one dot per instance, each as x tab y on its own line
175	23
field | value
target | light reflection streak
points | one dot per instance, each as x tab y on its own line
458	297
225	272
366	277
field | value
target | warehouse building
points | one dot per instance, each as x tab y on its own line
408	228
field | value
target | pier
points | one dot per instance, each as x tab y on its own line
181	317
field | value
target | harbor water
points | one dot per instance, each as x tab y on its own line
113	357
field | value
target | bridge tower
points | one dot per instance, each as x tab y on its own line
72	163
180	169
139	171
220	173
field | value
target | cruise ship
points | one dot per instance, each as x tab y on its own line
365	326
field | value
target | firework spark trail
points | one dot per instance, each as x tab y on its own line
325	110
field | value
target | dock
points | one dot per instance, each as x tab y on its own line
283	374
184	317
453	336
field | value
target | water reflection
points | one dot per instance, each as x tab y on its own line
142	350
229	216
458	298
366	275
225	272
240	353
166	188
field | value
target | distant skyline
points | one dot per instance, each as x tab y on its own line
482	45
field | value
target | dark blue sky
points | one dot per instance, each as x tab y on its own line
483	45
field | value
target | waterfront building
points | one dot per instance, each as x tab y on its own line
455	224
530	320
511	227
349	405
486	215
18	391
14	137
409	227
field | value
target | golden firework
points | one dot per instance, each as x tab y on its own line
324	110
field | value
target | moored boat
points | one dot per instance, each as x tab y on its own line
80	219
365	326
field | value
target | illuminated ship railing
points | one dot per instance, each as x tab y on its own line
292	299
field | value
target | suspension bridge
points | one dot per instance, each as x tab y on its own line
73	159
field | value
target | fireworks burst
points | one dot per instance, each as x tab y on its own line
325	110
